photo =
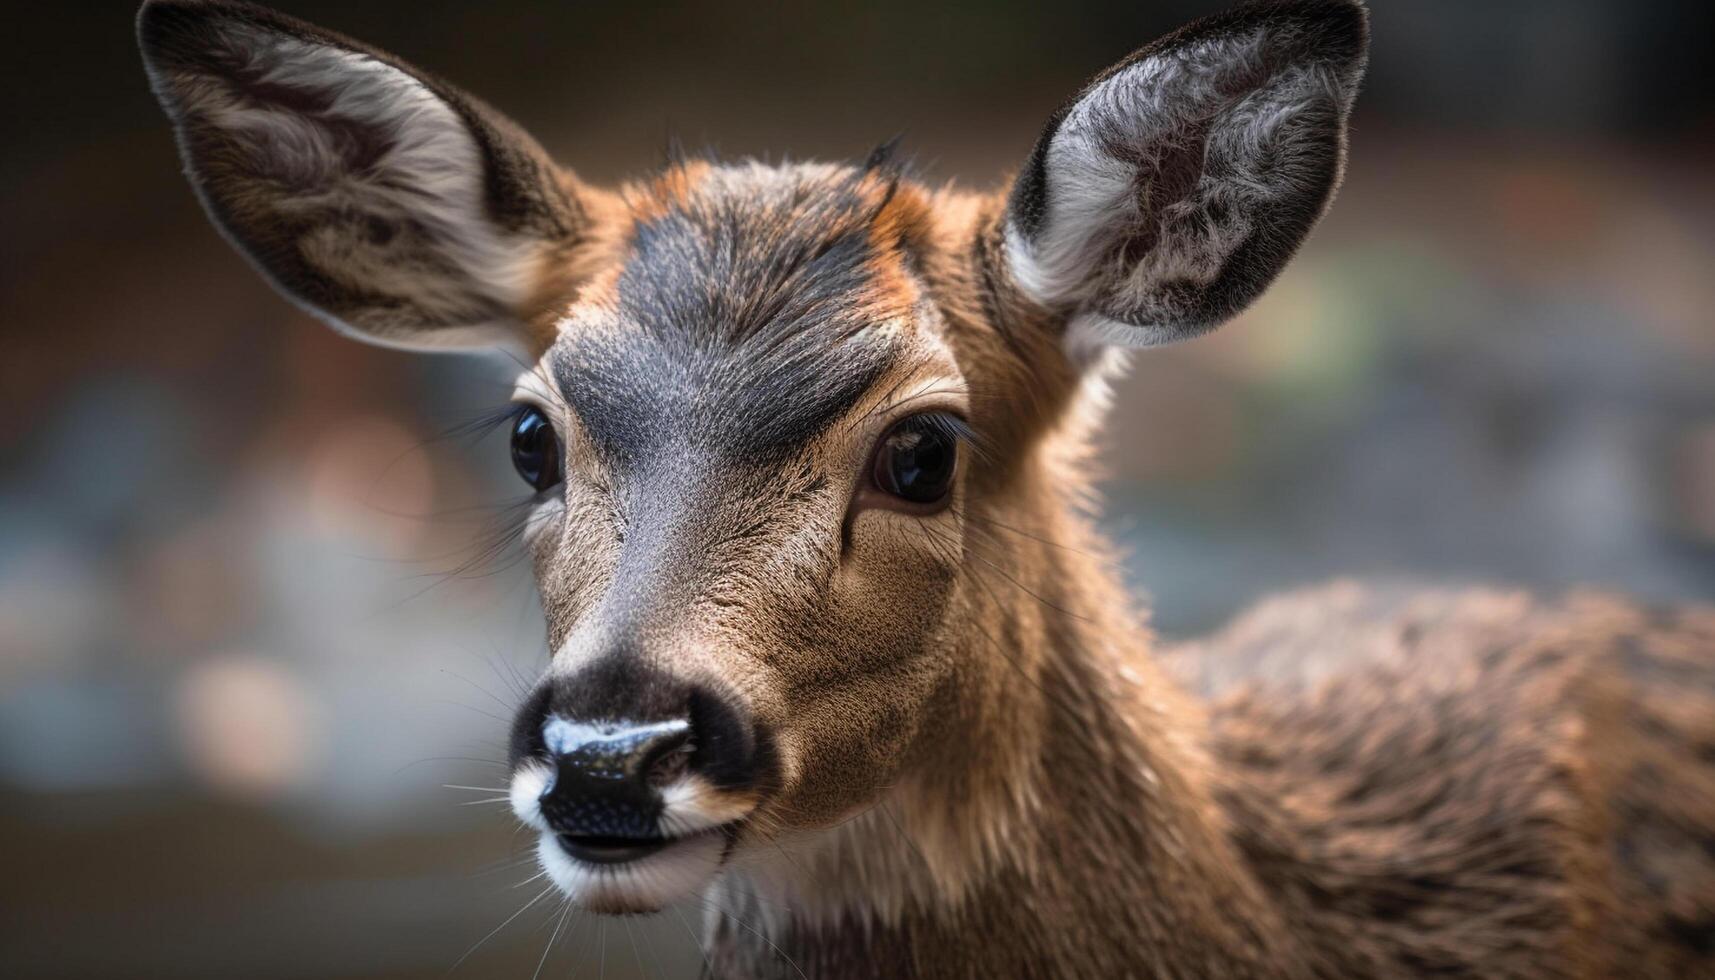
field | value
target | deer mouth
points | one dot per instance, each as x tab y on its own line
634	875
609	850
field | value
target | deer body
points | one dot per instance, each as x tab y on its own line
836	650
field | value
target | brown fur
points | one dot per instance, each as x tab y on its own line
981	765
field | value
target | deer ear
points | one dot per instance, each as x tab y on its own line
1169	193
379	198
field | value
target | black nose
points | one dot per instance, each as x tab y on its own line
604	800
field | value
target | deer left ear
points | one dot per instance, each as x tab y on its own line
1168	194
395	207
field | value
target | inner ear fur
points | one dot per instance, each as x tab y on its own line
380	198
1167	194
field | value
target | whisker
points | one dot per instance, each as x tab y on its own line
482	690
551	939
470	707
994	643
888	813
973	518
1024	588
708	967
516	683
451	758
493	932
631	937
752	929
516	862
535	877
602	974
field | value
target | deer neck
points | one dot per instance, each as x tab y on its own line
1059	817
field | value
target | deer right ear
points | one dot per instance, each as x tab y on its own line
379	198
1167	195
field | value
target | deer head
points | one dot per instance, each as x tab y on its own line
768	409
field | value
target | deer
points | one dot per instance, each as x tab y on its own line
836	647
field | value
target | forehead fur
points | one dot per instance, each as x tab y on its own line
752	306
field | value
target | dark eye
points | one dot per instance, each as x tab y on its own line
535	449
916	458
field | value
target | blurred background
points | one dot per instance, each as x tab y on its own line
249	635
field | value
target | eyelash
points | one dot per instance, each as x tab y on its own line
951	426
484	423
971	442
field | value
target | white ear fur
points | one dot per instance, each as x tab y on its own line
1174	187
359	191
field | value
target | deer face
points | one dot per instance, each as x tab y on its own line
730	571
760	406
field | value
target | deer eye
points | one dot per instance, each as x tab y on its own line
916	459
535	448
